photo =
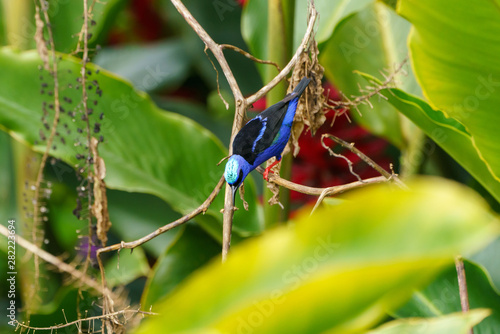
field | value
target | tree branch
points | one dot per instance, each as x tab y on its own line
319	191
79	321
59	264
201	209
462	286
363	157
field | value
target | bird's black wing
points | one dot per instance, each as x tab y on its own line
259	132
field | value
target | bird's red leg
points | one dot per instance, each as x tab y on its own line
268	169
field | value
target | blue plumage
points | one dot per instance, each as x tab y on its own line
262	138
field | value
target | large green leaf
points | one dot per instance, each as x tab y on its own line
66	18
124	267
446	132
456	323
371	41
149	67
221	20
341	268
254	22
454	53
488	259
442	297
331	13
145	149
190	251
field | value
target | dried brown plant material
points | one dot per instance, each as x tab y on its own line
100	206
41	43
273	187
242	196
311	108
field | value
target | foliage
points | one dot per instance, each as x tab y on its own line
377	260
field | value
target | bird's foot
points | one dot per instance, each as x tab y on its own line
268	170
266	173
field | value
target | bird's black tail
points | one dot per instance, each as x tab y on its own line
302	86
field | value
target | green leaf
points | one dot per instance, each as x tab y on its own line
254	23
3	37
458	68
221	20
442	297
370	41
126	266
145	149
331	14
149	67
66	18
488	259
135	215
192	250
341	268
451	135
457	323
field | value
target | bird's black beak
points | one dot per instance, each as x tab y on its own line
234	189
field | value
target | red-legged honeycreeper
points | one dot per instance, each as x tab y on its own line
262	138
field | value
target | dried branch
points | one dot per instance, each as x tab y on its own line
462	286
250	56
53	128
201	209
80	321
59	264
363	157
330	191
371	91
240	102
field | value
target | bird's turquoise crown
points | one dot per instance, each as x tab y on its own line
232	171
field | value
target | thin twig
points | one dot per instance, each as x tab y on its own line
79	321
133	244
362	156
371	91
50	140
319	191
240	104
59	264
250	56
462	286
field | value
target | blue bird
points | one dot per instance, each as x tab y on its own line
262	138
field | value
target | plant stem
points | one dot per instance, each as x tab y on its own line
278	43
413	155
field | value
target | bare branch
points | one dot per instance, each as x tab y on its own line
250	56
371	91
462	286
201	209
319	191
363	157
79	321
59	264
